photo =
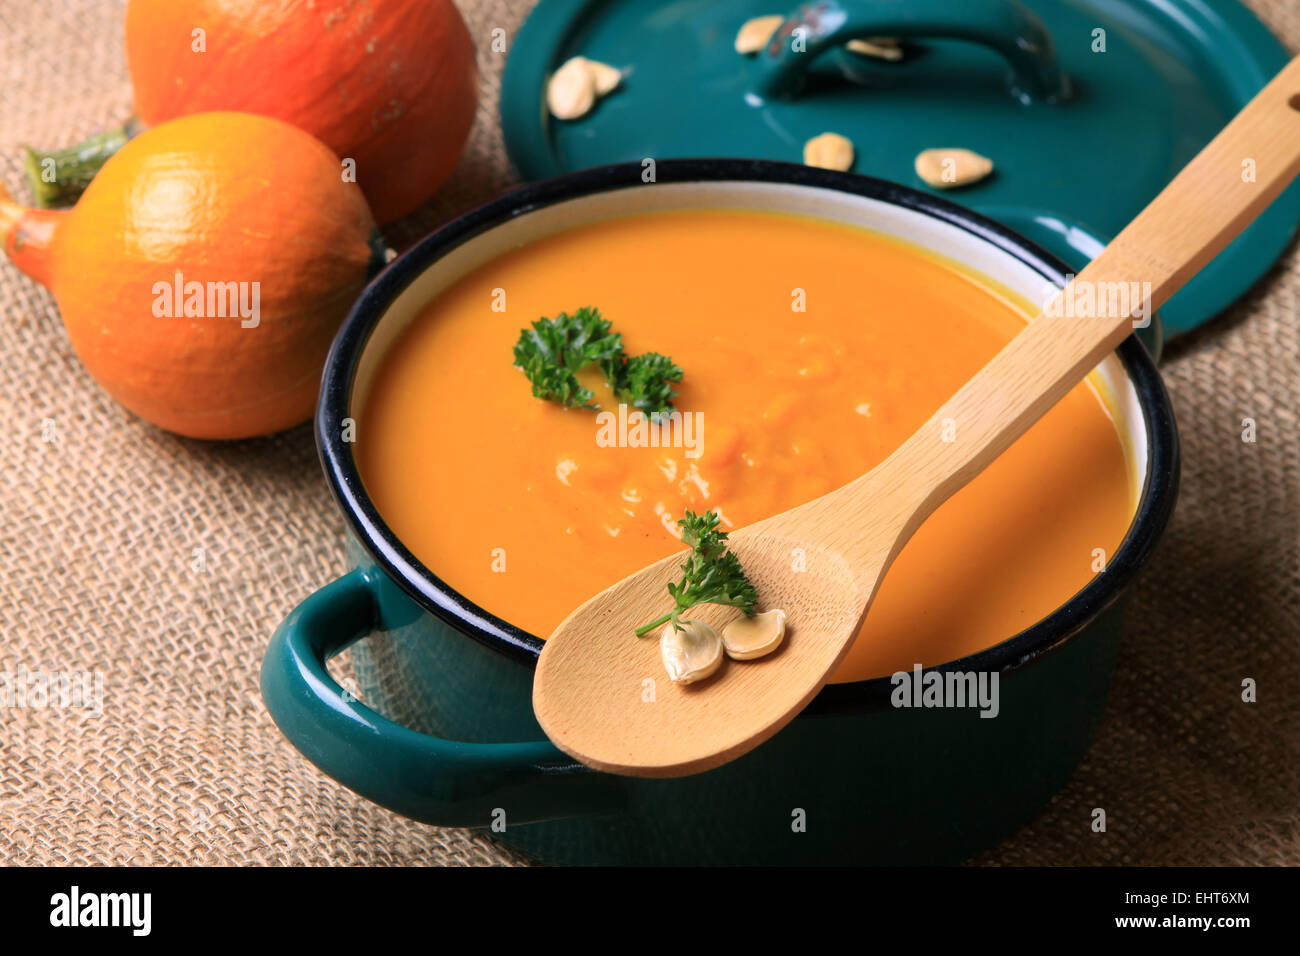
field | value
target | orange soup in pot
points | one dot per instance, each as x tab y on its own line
810	350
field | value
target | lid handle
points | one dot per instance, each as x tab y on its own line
1006	26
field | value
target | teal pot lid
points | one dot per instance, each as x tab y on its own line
1087	107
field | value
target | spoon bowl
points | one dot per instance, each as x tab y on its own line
602	696
642	711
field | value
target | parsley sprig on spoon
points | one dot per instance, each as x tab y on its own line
711	575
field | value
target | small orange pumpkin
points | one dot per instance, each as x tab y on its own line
390	84
204	272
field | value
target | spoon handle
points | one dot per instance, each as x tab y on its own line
1226	186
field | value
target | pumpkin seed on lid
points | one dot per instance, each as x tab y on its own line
829	151
756	33
882	48
947	168
575	87
572	90
606	77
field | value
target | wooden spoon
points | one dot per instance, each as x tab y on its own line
601	694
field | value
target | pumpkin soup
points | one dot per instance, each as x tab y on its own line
809	351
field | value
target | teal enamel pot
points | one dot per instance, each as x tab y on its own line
445	733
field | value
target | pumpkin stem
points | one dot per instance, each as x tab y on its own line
26	235
59	176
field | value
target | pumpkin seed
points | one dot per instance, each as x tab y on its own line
828	151
575	87
749	637
572	90
605	77
882	48
947	168
692	653
757	33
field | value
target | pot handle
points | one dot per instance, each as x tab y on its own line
443	782
1006	26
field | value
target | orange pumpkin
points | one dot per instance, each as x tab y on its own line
391	84
202	275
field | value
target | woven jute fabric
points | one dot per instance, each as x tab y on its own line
162	565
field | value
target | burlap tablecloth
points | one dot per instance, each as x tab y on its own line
98	572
